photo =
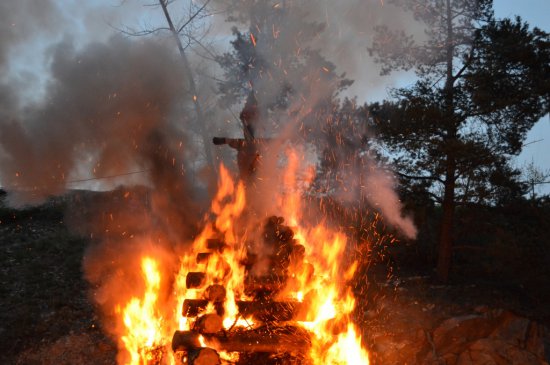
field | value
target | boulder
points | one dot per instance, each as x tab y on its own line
492	338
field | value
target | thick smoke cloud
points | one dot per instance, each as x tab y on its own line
108	108
20	20
348	31
304	46
114	107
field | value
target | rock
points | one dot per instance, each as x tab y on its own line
493	338
495	351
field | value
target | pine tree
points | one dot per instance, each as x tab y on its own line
482	84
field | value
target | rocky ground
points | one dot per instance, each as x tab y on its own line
46	317
415	322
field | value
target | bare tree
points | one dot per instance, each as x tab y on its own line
189	28
535	176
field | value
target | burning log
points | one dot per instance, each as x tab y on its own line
298	253
215	244
185	341
203	257
215	293
192	307
286	339
195	280
265	286
203	356
275	231
270	311
262	310
209	323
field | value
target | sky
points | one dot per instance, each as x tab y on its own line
97	20
536	13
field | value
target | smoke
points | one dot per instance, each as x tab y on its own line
113	107
19	20
379	190
348	30
294	65
108	108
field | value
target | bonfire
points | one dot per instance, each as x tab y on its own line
250	290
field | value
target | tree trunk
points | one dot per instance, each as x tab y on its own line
447	222
448	206
192	87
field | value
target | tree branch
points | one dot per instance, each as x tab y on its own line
193	16
432	178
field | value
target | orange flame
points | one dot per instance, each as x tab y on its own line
142	319
320	281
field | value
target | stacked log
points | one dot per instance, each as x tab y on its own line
285	339
272	333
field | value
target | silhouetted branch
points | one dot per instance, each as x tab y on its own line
193	16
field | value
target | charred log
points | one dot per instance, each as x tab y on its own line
203	356
185	341
203	257
209	323
195	280
215	244
270	311
215	293
192	307
286	339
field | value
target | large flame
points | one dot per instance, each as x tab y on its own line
143	320
329	301
320	282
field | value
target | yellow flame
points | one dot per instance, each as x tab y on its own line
319	281
142	318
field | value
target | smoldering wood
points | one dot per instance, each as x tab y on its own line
203	257
203	356
264	286
215	244
287	339
195	280
215	293
192	307
270	311
209	323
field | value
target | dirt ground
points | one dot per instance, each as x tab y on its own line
44	297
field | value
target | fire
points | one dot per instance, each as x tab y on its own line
142	318
330	303
319	282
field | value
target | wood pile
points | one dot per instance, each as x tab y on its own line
274	335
